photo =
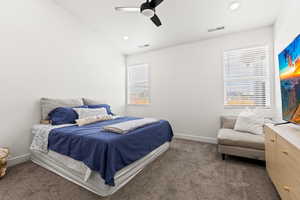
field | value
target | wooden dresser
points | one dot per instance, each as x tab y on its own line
283	159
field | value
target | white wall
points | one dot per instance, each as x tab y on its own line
286	29
46	52
187	82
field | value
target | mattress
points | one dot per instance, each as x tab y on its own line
80	174
107	152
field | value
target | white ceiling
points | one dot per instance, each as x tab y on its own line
183	20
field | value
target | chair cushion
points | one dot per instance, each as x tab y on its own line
228	121
231	137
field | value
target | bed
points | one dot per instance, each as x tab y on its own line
95	159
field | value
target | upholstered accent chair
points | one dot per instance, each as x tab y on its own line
236	143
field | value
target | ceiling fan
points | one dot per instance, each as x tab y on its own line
147	9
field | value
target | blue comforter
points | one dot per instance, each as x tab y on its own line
107	152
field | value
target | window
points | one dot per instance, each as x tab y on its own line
138	85
246	78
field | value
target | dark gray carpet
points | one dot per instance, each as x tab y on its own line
189	170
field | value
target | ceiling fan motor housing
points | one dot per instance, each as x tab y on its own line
147	10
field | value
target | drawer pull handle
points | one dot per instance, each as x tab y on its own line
285	153
272	140
286	188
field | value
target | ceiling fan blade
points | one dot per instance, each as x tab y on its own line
155	3
156	20
128	9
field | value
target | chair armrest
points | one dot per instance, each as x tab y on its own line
228	121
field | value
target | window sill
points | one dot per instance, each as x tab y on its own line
138	105
250	107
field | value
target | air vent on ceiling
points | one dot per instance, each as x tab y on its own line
144	46
216	29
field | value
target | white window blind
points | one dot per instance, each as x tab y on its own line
138	85
246	77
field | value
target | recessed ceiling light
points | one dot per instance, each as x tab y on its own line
234	5
125	37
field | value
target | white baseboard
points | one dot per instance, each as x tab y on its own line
197	138
18	159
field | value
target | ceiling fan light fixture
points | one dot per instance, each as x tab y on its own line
147	10
148	13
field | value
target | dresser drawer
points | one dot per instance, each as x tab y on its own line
270	135
289	154
287	183
270	153
288	170
282	176
283	159
295	190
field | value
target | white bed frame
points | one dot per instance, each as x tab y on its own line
95	183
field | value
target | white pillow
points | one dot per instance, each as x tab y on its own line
90	120
89	112
250	121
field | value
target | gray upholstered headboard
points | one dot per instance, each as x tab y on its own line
48	104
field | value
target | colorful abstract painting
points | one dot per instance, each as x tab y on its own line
289	66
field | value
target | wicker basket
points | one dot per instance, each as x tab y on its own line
3	161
